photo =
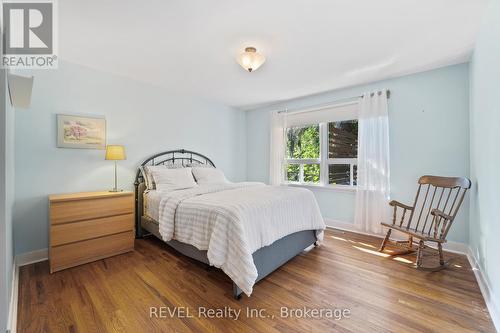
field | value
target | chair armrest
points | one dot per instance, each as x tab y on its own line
395	203
437	212
443	223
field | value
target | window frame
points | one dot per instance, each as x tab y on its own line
324	162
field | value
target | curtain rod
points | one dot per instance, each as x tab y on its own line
334	102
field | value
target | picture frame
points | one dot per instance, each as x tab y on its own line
81	132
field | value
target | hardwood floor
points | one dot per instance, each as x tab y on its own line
382	293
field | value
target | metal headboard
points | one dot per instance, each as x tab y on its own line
180	156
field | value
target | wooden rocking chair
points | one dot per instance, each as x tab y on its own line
430	218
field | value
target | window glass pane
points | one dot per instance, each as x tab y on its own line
343	139
292	173
302	142
339	174
355	172
311	173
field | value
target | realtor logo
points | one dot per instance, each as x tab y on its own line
29	34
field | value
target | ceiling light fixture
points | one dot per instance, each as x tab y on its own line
250	60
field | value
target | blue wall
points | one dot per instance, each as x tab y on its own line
485	154
144	118
429	126
6	199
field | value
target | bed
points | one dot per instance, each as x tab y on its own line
246	229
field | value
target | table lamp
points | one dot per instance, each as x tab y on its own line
115	153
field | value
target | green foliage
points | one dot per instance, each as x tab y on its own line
311	173
303	142
293	171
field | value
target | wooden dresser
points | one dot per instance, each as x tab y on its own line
89	226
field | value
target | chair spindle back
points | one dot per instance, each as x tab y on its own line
436	204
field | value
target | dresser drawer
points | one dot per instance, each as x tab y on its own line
77	231
78	210
73	254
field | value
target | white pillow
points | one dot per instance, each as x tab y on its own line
148	175
209	176
173	179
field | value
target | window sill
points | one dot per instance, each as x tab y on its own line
335	188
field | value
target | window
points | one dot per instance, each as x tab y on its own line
322	153
343	152
303	154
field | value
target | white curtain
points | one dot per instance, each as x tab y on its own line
277	147
373	185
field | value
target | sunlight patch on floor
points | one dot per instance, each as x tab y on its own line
406	261
339	238
367	248
352	242
367	245
385	255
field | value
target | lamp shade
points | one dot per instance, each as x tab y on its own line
251	59
115	152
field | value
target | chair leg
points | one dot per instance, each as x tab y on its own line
441	257
420	253
384	242
410	243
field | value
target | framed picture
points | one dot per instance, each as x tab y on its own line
81	132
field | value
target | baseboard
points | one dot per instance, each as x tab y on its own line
32	257
14	294
450	246
21	260
486	290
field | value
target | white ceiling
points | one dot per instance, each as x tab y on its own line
189	46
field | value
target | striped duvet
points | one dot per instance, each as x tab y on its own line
231	221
